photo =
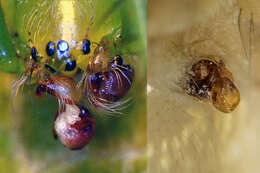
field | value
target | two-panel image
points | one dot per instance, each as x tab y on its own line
129	86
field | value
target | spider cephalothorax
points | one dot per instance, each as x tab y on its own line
106	82
73	68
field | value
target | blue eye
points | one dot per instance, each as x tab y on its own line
34	54
63	46
70	66
86	46
63	49
50	48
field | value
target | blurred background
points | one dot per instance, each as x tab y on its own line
185	135
26	141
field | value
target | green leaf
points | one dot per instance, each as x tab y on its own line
9	62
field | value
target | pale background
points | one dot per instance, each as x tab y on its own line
187	136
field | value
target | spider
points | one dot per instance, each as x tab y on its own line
104	83
209	80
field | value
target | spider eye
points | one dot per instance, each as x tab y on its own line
63	46
70	66
86	46
34	54
63	49
50	48
118	60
